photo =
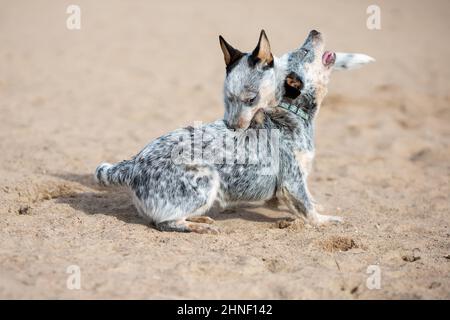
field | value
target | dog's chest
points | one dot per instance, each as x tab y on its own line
304	160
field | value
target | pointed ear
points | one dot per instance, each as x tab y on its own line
262	51
230	54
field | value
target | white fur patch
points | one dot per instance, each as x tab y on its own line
305	160
103	177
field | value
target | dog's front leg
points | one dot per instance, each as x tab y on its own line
294	193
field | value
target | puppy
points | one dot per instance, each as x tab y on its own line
253	154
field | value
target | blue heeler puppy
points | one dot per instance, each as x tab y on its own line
178	177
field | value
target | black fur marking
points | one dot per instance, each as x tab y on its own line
99	173
292	92
234	54
253	61
231	66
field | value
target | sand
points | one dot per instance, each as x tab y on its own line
72	99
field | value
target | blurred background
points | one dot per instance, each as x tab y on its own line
70	99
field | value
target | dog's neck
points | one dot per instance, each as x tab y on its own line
294	117
295	126
295	109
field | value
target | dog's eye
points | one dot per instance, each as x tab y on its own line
250	101
305	51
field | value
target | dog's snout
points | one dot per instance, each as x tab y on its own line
314	37
314	33
237	124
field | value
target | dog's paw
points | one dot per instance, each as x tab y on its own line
321	219
319	207
203	228
201	219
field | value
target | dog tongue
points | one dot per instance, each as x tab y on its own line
328	58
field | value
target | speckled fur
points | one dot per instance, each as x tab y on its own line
168	193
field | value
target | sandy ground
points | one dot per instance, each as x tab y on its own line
136	69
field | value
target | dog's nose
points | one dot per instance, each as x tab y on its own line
314	33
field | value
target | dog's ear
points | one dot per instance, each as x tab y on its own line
293	86
230	54
348	61
262	53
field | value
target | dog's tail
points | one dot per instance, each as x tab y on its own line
114	174
348	61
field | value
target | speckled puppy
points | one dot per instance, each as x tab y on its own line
172	188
